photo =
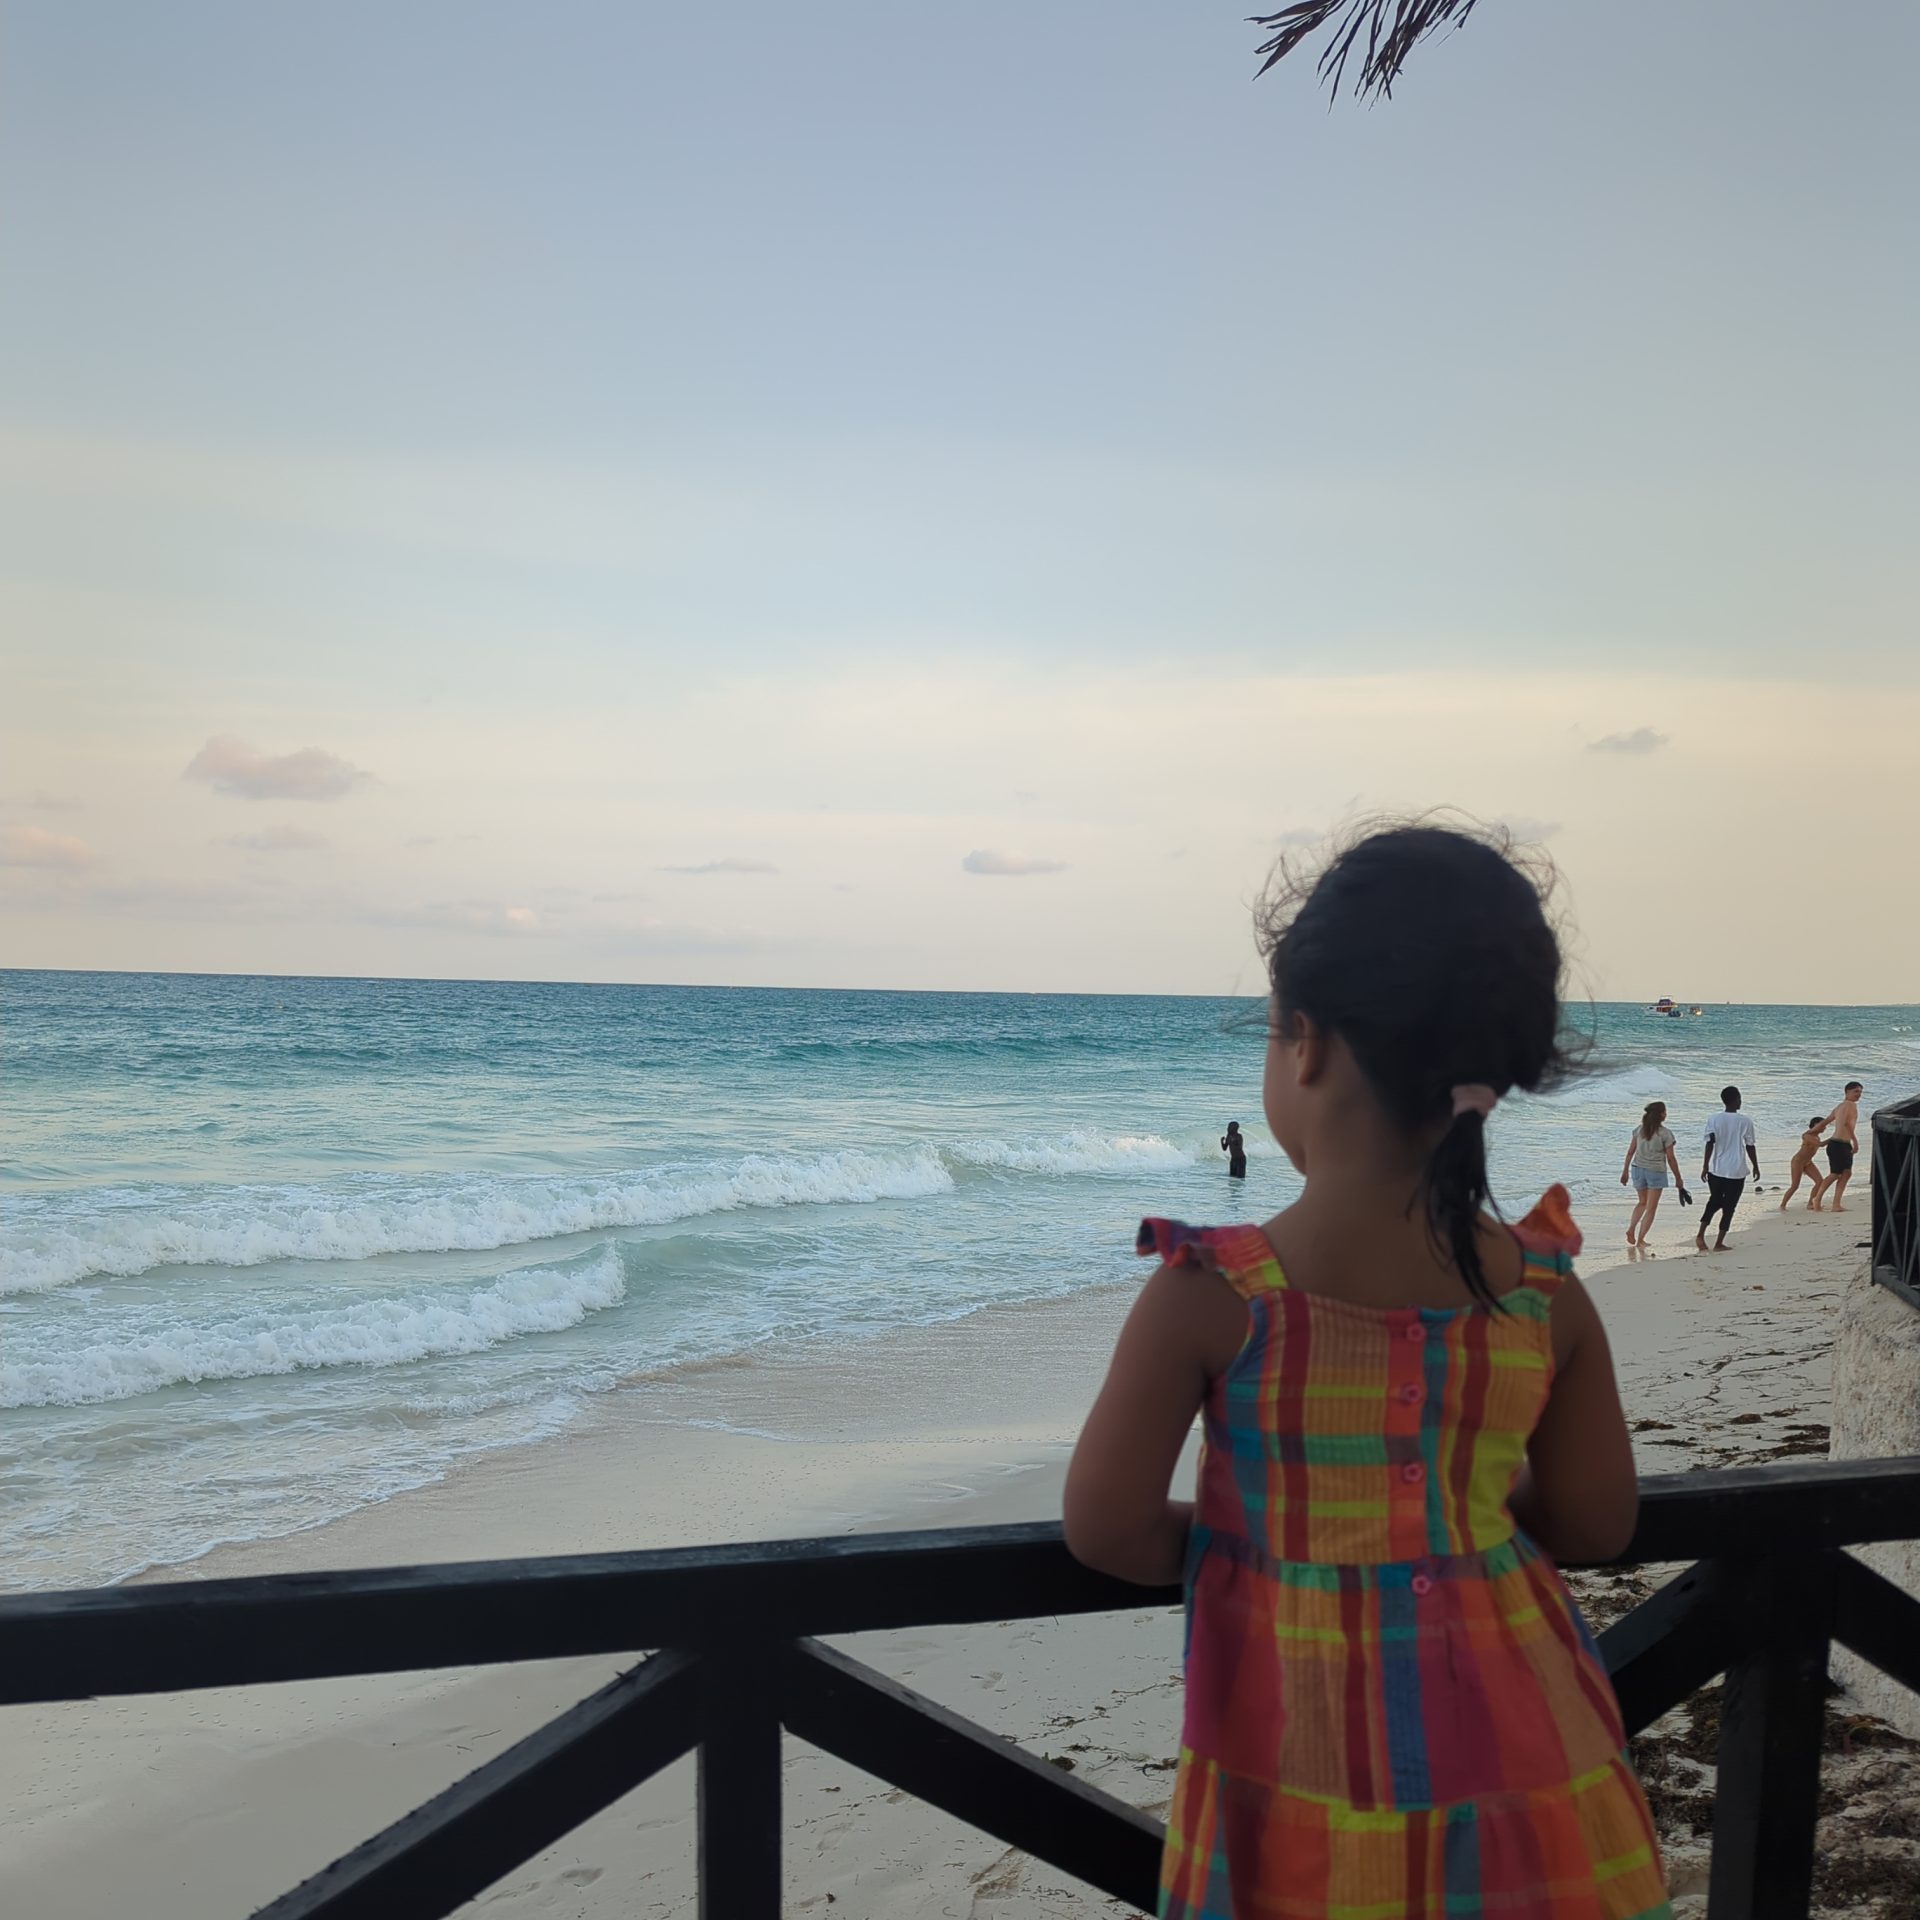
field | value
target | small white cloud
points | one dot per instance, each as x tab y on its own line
990	860
280	840
729	865
231	766
460	916
1640	740
53	852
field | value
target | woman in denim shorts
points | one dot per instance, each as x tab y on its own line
1649	1160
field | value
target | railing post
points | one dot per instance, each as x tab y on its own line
1895	1235
1772	1720
739	1793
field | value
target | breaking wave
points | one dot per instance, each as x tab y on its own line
370	1333
245	1226
130	1231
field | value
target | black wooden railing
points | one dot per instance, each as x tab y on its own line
1773	1588
1896	1199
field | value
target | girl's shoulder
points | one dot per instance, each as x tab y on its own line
1243	1256
1550	1239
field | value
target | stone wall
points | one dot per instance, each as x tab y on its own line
1876	1415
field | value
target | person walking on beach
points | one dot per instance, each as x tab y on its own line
1233	1143
1724	1166
1806	1165
1650	1157
1845	1122
1392	1704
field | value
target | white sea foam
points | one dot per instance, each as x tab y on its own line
1072	1153
245	1226
129	1232
372	1333
1619	1088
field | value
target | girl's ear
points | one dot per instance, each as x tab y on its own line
1310	1050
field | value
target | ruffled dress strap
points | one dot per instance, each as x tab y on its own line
1549	1240
1241	1256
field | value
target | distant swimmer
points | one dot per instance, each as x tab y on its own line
1806	1164
1233	1143
1845	1122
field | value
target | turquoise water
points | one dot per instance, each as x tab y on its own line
274	1248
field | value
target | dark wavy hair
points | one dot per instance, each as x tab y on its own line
1429	947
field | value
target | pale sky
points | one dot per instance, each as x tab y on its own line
877	495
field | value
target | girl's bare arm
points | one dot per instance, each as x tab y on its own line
1579	1494
1118	1516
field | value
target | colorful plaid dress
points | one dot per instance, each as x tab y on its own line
1393	1707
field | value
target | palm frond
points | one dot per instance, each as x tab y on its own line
1390	29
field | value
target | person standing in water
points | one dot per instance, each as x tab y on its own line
1723	1168
1233	1143
1845	1122
1649	1158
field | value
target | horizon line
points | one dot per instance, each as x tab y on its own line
983	993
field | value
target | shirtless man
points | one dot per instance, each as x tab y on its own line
1845	1143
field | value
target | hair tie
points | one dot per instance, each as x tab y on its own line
1474	1099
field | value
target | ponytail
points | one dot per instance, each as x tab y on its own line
1454	1190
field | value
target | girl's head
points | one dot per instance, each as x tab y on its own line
1653	1119
1417	961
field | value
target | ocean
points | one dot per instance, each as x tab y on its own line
275	1248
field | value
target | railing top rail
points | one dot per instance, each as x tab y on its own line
278	1627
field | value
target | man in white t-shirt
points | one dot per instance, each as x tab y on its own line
1724	1168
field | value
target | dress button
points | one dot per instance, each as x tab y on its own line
1422	1583
1413	1473
1413	1395
1416	1333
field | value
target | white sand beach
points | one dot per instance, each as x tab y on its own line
209	1804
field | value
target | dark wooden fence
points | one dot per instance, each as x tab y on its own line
743	1659
1896	1199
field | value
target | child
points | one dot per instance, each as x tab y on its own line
1393	1707
1803	1167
